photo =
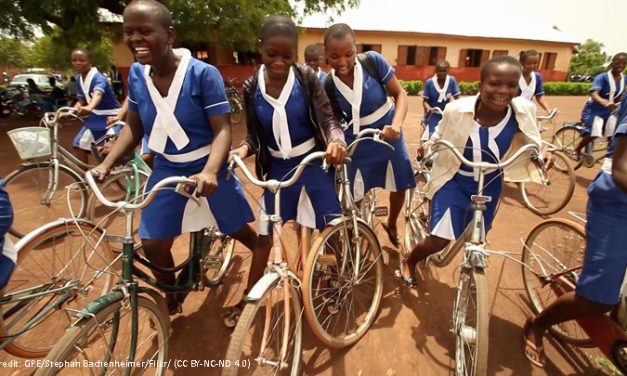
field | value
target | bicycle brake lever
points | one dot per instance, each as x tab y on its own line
229	170
180	189
325	165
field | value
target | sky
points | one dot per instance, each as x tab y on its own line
601	20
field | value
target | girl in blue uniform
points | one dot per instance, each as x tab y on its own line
288	116
180	104
95	100
530	84
362	102
605	259
440	90
312	58
8	256
487	127
605	94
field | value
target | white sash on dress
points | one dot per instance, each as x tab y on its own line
86	83
354	95
166	125
613	91
441	90
527	91
280	126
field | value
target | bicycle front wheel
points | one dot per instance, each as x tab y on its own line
566	140
416	215
217	252
64	266
471	324
36	203
101	344
554	192
552	247
343	284
267	327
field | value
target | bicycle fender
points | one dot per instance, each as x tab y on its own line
261	286
92	308
342	219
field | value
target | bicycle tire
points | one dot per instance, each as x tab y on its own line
76	337
546	199
115	221
36	269
327	292
552	246
20	185
566	140
236	355
468	338
216	257
416	216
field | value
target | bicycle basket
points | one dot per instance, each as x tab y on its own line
31	142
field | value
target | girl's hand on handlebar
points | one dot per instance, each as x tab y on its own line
241	152
113	119
423	150
335	153
206	183
101	171
391	132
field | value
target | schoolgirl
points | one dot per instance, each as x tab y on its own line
180	104
439	90
530	83
488	127
357	88
95	99
312	58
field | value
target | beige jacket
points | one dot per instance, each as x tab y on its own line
455	127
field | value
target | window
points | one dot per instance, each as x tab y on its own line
473	57
496	53
419	55
200	55
548	62
368	47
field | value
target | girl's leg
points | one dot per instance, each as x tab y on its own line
425	247
582	144
81	154
159	253
260	246
397	199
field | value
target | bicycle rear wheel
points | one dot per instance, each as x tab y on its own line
553	194
471	324
217	252
28	187
553	246
64	256
105	341
340	306
566	140
416	216
267	318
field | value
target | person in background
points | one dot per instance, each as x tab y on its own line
57	95
313	59
39	96
439	90
116	83
8	255
530	84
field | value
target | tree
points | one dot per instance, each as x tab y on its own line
225	22
14	53
590	60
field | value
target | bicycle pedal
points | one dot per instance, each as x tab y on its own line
381	211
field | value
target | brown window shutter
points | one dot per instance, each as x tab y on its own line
553	57
401	58
360	48
496	53
463	54
441	55
422	56
485	56
376	47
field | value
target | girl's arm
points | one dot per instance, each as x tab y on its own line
121	114
602	101
250	144
542	103
393	131
619	163
207	179
95	101
129	138
425	105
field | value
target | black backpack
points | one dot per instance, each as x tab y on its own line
329	86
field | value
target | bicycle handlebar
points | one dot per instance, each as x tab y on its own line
485	165
51	118
180	181
367	134
550	116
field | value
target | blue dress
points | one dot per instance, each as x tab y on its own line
592	109
312	201
8	256
375	165
450	206
605	259
96	124
431	95
170	214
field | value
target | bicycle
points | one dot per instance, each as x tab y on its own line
567	138
268	334
235	100
129	327
552	259
470	317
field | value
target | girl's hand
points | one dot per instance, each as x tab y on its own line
336	153
610	105
101	171
391	132
113	119
423	150
83	111
206	183
241	152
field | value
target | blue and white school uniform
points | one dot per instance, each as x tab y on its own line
96	124
368	106
534	88
605	259
8	255
594	115
450	206
312	201
180	135
322	75
438	97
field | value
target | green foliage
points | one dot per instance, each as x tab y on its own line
53	51
14	53
411	87
567	88
469	88
590	60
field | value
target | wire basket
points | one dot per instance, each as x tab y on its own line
31	142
